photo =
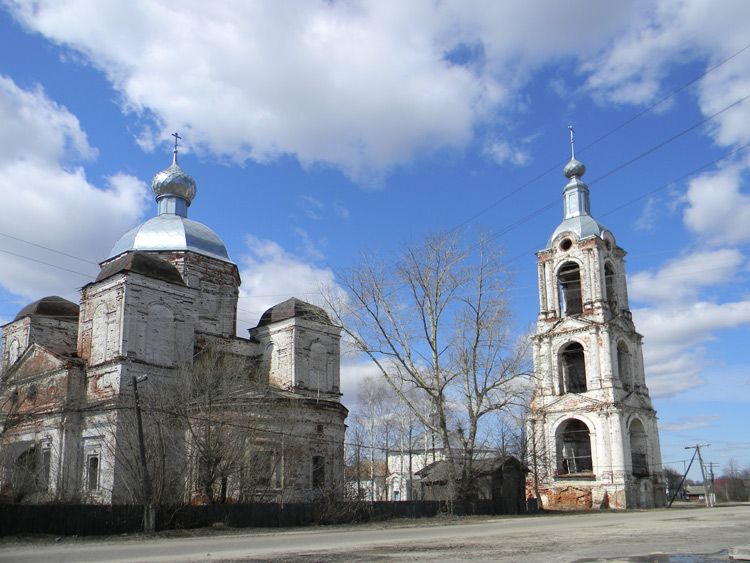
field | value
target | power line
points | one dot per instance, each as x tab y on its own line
539	176
601	138
48	248
635	199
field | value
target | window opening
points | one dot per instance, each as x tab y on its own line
573	362
569	280
609	286
623	366
92	472
639	448
46	467
574	448
318	472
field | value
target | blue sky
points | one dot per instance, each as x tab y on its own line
315	129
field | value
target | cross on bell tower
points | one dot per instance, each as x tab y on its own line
594	432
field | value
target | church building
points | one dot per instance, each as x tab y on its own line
593	436
233	418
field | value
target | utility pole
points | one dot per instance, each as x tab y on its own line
713	480
707	494
149	516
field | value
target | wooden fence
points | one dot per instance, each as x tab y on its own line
96	520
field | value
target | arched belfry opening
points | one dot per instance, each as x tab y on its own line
569	282
573	369
623	366
574	448
638	449
609	287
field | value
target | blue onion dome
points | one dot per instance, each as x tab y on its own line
574	168
174	182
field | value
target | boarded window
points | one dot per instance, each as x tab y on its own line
573	368
318	472
574	448
569	280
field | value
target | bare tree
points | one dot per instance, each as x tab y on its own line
164	445
735	482
435	318
210	396
376	400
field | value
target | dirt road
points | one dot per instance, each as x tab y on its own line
585	538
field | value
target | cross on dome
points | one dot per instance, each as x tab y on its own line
572	147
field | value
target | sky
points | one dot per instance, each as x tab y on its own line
317	129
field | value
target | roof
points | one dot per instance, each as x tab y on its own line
294	308
438	471
172	232
52	306
584	226
144	264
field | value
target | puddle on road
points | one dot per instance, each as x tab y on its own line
720	557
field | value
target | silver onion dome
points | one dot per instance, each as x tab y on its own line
574	168
171	230
173	182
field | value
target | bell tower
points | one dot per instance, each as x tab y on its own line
594	441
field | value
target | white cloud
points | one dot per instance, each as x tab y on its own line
362	86
310	248
717	210
675	336
501	152
668	32
647	219
271	275
48	202
353	372
691	422
682	278
341	211
312	207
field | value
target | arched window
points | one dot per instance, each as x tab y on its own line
609	287
623	366
638	448
569	281
268	356
573	369
574	448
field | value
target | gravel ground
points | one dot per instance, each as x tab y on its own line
678	535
